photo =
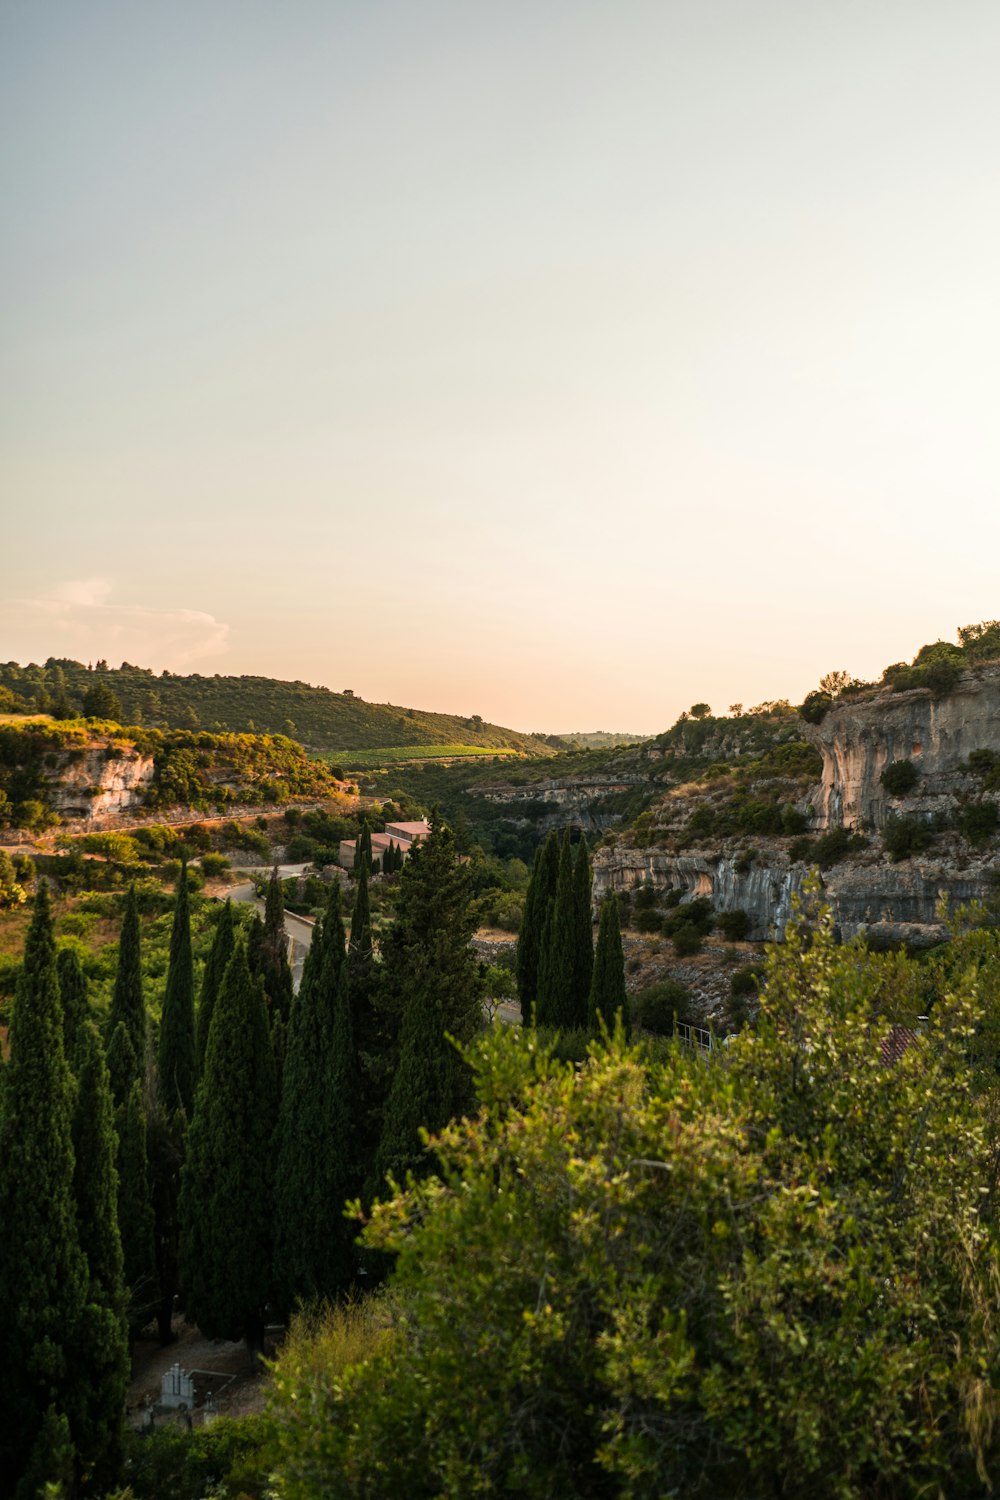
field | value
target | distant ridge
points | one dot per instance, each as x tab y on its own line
319	719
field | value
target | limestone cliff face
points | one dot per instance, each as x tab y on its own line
91	783
574	800
897	903
858	739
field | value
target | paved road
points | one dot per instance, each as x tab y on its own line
298	930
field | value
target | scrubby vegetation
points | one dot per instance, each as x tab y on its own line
317	717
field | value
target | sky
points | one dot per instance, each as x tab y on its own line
565	363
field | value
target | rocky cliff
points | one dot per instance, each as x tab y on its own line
89	784
858	739
890	902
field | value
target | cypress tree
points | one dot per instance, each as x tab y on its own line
583	944
537	905
123	1066
136	1223
127	1003
275	969
102	1337
607	989
177	1067
225	1204
43	1272
318	1164
431	987
75	1005
166	1139
557	967
221	951
363	849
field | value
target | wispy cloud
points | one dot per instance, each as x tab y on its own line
79	618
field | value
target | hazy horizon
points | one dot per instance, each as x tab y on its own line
565	364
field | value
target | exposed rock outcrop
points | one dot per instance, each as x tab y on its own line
859	738
579	801
89	784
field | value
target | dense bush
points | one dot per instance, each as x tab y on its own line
225	1459
657	1006
899	777
744	981
734	925
904	837
978	821
687	939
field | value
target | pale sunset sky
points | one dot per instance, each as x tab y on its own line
565	363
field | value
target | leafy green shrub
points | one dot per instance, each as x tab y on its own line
687	939
903	837
899	777
734	925
697	913
744	862
986	765
225	1460
656	1007
744	981
978	821
648	921
214	864
815	707
674	897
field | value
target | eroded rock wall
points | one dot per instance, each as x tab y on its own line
90	784
858	739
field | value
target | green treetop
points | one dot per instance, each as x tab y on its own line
537	905
557	970
102	1338
317	1131
221	951
273	956
43	1271
431	991
607	989
225	1207
75	1004
127	1003
177	1065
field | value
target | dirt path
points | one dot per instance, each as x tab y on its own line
242	1397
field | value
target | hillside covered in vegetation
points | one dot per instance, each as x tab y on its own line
317	717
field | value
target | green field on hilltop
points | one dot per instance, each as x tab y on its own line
369	760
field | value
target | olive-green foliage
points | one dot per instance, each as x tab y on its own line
432	992
583	932
225	1207
899	777
827	850
135	1206
607	989
978	821
903	837
659	1005
734	925
177	1062
744	981
226	1460
986	765
749	1278
43	1271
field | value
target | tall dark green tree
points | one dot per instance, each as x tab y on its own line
431	991
557	998
318	1159
363	849
583	945
225	1206
538	902
177	1067
372	1030
75	1004
102	1336
43	1271
607	990
221	951
275	969
127	1002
